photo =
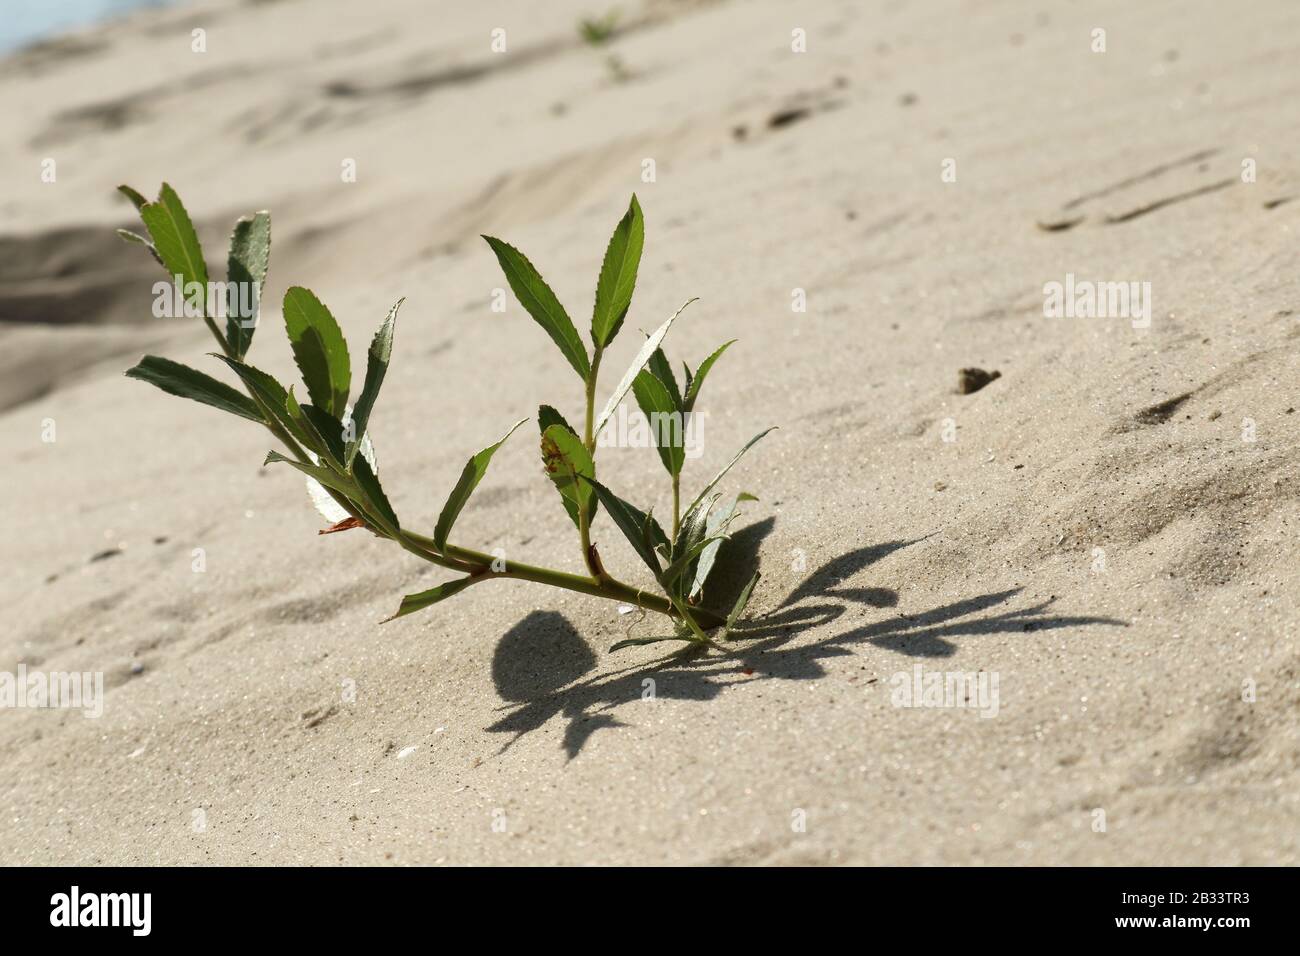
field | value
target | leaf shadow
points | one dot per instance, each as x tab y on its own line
543	668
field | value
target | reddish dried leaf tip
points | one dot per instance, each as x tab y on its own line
344	525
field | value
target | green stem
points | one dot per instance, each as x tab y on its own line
587	437
677	504
466	559
589	440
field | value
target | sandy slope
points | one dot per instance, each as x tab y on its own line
1121	671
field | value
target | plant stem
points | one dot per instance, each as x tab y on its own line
677	503
589	440
604	587
587	437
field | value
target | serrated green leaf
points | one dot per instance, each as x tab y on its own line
418	602
565	458
697	382
720	475
638	363
741	602
630	520
718	521
319	349
381	349
181	380
246	266
618	276
473	473
659	367
175	239
540	302
666	425
548	416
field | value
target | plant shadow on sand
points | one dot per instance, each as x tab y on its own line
540	664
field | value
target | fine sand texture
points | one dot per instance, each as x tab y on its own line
1108	528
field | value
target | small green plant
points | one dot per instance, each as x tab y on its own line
597	31
326	438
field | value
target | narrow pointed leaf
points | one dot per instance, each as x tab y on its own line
630	520
546	417
175	239
381	349
138	239
718	521
660	368
618	276
246	266
689	543
686	561
693	525
537	298
319	349
720	475
697	382
375	501
666	426
566	459
137	200
418	602
638	363
177	379
742	602
473	473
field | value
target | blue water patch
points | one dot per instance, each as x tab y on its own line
26	21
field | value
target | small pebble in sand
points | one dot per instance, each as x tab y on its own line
940	485
137	668
971	380
406	752
1215	414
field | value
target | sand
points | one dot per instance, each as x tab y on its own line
1110	533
